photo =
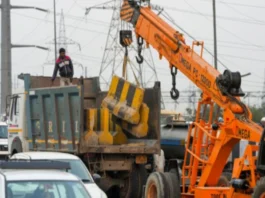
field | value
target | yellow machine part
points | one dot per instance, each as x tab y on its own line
124	100
100	125
140	130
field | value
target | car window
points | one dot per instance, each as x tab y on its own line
79	169
3	132
46	189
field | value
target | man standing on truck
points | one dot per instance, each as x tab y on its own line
65	66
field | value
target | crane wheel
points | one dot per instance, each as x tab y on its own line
223	181
228	175
162	185
173	184
259	191
133	183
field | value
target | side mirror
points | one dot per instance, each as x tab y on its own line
96	177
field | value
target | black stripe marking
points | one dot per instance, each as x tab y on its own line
121	112
130	95
129	127
98	119
119	88
109	122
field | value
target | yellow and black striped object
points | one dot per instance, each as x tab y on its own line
124	100
138	130
126	13
99	121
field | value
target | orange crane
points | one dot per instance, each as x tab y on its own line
206	137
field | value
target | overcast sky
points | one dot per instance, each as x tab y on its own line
241	43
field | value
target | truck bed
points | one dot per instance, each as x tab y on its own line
56	118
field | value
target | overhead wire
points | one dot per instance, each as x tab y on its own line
243	14
167	16
224	29
242	20
25	55
172	21
84	29
239	4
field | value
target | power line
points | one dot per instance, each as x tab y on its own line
240	4
243	57
172	21
242	20
243	14
235	35
84	29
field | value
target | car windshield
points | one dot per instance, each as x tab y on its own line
78	169
3	132
46	189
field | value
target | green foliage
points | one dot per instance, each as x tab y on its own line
257	112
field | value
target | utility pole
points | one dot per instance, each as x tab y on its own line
6	54
214	35
263	90
6	69
55	36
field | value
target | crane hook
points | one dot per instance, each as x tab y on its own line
140	41
140	59
174	93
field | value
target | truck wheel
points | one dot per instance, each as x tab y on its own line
157	186
259	191
134	183
173	184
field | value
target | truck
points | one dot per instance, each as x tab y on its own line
71	119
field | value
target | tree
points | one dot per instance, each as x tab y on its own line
257	112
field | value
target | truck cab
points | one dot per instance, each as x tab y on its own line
15	123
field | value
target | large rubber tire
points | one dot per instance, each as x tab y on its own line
134	183
173	184
259	191
223	181
228	175
157	186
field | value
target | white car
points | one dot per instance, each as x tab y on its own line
78	168
41	184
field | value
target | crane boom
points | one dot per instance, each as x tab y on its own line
222	89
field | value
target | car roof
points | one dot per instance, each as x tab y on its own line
39	155
28	175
